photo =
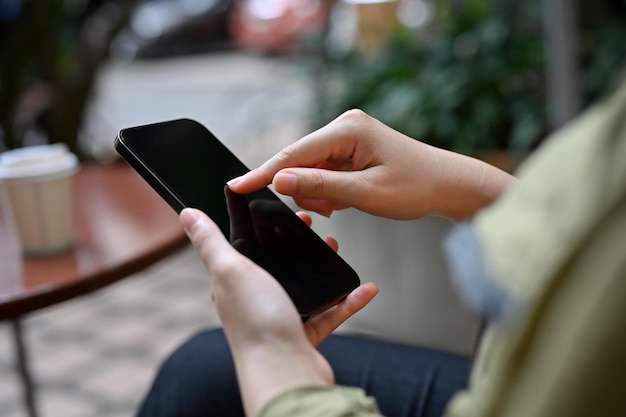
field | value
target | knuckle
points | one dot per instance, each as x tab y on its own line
353	123
317	183
354	115
286	154
224	268
199	236
362	191
284	158
226	272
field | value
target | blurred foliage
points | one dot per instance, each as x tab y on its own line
603	46
50	53
474	78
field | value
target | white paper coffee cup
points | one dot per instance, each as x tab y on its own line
40	186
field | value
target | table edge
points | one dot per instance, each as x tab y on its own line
21	306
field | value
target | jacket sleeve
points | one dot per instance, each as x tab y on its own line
322	402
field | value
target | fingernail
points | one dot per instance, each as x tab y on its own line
189	217
285	183
233	181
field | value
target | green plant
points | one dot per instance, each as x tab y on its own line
473	80
602	46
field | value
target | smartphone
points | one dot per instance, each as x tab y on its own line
188	166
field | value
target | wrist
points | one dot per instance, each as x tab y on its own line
265	370
467	185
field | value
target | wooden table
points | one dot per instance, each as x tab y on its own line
122	227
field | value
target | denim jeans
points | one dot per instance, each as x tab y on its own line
198	379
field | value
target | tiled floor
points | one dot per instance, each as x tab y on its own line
96	356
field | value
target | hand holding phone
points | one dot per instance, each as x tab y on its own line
189	167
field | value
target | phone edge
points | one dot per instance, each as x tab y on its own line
150	177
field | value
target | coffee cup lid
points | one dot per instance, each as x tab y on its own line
39	161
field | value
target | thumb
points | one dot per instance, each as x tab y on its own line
208	240
319	184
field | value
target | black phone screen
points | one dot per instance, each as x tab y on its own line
188	166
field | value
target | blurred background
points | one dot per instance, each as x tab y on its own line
462	74
489	78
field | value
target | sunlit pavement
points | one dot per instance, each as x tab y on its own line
239	97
